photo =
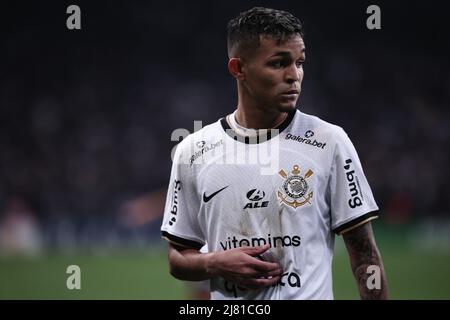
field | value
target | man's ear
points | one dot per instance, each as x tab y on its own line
235	67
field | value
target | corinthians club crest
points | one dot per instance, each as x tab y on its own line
294	191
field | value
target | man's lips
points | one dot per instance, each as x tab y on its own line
291	92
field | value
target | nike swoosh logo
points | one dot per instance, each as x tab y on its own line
207	198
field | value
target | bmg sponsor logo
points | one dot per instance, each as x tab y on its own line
353	185
174	202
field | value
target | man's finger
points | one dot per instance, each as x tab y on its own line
273	273
255	251
261	282
264	266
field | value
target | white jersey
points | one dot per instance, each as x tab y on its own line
294	189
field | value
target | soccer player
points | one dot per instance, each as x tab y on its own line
267	187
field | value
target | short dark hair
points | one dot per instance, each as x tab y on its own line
244	30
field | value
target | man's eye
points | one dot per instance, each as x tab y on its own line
276	64
300	63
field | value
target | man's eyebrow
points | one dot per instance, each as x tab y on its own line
285	53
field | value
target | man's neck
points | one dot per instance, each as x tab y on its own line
259	119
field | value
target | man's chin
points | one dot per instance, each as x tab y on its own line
286	107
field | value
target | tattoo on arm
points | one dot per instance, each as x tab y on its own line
363	253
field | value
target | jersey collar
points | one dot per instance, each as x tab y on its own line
264	136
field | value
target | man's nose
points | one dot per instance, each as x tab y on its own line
292	74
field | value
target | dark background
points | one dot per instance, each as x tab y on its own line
86	115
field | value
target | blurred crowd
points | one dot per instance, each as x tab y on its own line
86	116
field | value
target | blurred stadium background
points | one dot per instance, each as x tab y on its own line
85	135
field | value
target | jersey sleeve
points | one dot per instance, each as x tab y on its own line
351	199
180	224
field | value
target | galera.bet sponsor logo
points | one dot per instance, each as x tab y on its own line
306	140
204	149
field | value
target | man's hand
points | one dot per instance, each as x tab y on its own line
243	267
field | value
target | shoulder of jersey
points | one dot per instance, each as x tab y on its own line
313	127
196	140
